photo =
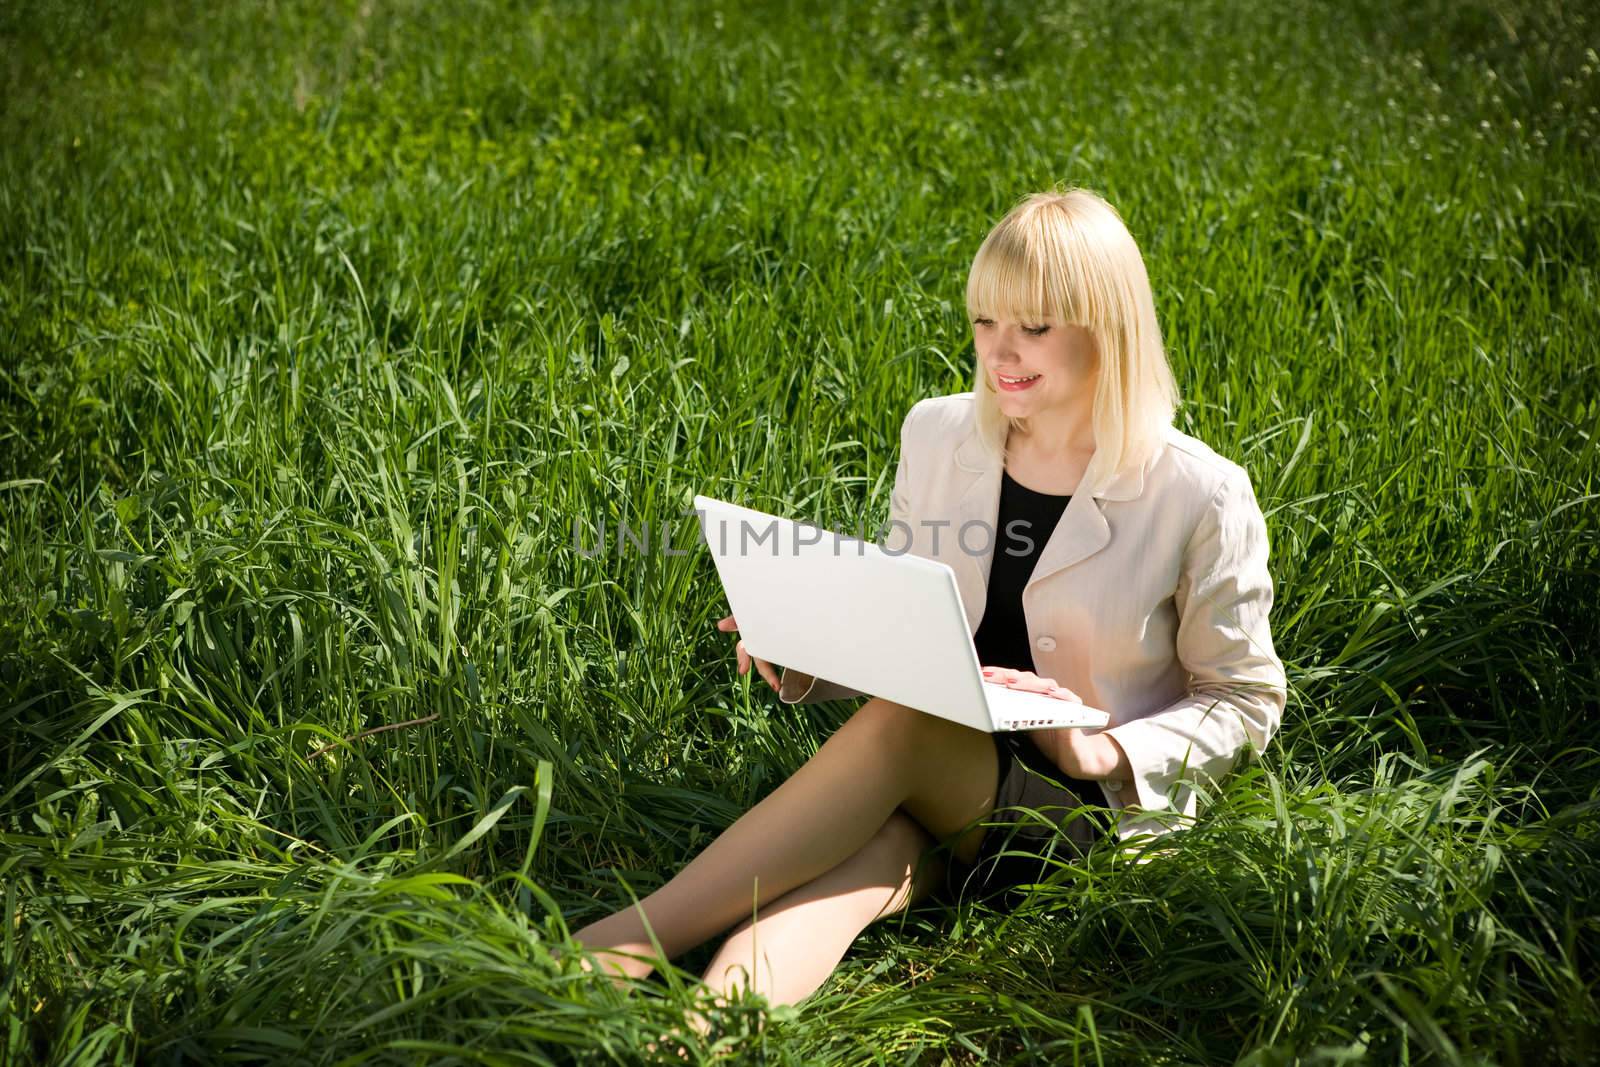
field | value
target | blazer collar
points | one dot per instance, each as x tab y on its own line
1126	485
1081	532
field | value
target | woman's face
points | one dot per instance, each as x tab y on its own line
1057	364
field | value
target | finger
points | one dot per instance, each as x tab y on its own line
744	657
727	624
768	672
1061	692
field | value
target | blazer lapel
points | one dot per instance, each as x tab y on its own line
1081	532
979	503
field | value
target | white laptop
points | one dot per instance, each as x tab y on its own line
846	610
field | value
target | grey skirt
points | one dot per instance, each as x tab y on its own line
1018	844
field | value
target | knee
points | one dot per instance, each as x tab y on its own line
892	858
888	855
899	728
900	836
885	719
737	963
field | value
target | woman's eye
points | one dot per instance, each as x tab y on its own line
1032	331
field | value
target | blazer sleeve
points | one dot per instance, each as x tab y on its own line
1237	687
795	687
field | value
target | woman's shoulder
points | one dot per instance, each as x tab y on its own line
1202	471
939	422
1196	456
950	412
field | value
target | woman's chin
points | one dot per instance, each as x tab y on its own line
1016	404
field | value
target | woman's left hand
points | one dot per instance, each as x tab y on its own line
1080	754
1029	682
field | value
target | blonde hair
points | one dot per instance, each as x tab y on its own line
1068	256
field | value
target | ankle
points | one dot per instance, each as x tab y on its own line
622	963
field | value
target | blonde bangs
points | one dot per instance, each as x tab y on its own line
1067	256
1020	273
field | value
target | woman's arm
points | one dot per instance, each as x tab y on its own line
1096	755
796	687
1237	688
1083	754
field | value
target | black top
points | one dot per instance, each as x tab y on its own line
1026	520
1024	525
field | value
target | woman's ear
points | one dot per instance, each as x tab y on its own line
1096	349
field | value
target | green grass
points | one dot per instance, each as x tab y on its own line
319	324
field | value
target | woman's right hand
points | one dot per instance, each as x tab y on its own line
767	670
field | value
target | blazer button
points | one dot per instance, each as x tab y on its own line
1046	644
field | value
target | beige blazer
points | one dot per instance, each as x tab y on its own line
1149	600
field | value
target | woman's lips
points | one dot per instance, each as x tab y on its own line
1016	386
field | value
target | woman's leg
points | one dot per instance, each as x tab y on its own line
795	944
885	757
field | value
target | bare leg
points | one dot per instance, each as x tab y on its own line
884	757
797	942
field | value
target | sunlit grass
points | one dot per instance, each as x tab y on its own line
320	325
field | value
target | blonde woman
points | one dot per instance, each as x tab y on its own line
1126	567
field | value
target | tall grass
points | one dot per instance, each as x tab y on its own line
322	325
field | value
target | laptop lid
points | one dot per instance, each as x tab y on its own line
846	610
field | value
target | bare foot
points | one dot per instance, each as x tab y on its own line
678	1042
621	969
675	1042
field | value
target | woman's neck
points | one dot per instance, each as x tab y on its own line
1055	436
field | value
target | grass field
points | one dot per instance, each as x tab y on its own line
320	324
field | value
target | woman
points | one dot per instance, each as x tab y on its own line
1126	559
